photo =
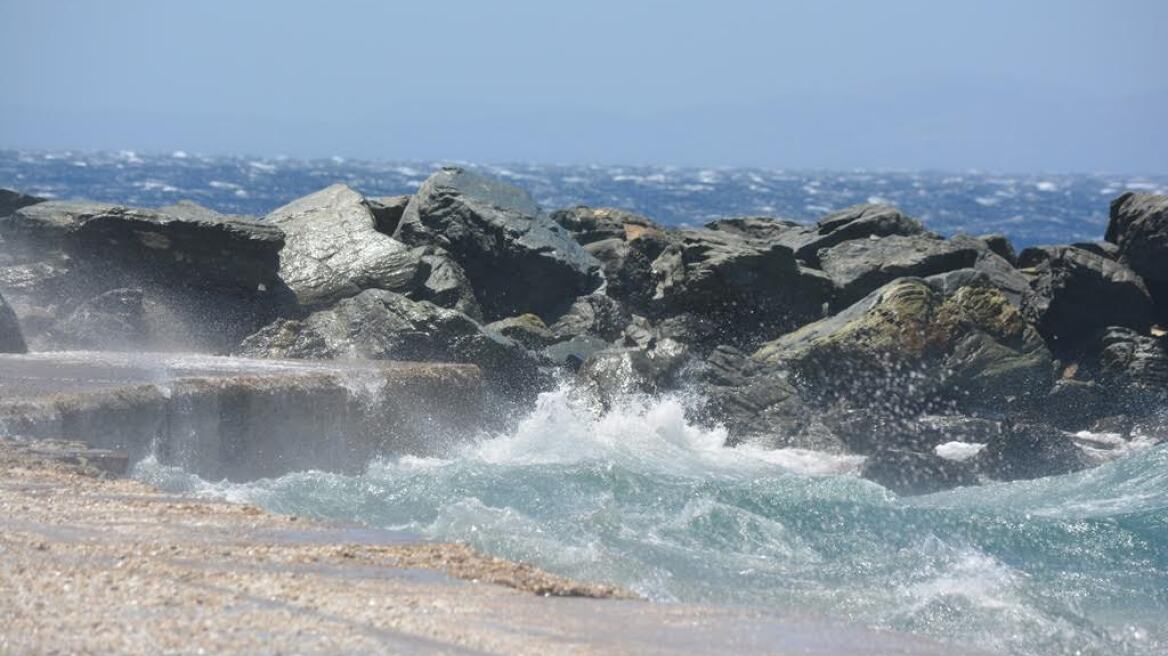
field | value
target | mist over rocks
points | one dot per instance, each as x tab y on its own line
863	333
11	338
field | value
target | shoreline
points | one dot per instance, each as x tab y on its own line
94	564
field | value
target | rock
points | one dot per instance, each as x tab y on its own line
527	329
743	289
908	346
1025	451
112	321
1074	404
1078	293
588	225
188	210
444	283
334	250
517	259
11	200
1000	245
387	212
756	227
867	430
382	325
612	373
595	314
1134	369
1100	248
111	241
911	472
860	266
854	223
11	338
574	352
1139	227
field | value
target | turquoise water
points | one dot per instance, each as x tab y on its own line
1068	565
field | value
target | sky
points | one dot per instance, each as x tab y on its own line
1017	86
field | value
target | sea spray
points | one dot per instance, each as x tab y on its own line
639	496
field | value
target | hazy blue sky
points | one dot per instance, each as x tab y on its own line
1070	85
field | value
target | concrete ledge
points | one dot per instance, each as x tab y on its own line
238	418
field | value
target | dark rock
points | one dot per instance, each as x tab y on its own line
1000	245
612	373
387	212
911	472
527	329
756	227
595	314
1078	293
853	223
908	346
1100	248
588	225
874	428
1134	369
11	338
112	321
1074	404
382	325
1024	451
860	266
1139	226
574	352
444	283
743	289
334	250
11	200
188	210
516	257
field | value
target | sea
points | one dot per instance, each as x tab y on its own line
639	496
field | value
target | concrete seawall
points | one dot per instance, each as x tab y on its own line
238	418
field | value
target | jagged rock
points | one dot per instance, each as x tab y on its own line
1100	248
12	200
1078	293
334	250
744	289
382	325
909	344
387	212
228	253
444	283
188	210
853	223
527	329
911	472
595	314
1139	227
1000	245
588	225
1024	451
11	338
112	321
860	266
517	259
756	227
1134	368
615	372
572	353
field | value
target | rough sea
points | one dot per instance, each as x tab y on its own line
1068	565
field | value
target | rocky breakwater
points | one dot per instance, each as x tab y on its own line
944	361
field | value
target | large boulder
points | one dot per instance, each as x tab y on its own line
517	259
1139	227
383	325
11	339
860	266
853	223
613	373
732	289
909	345
334	249
1078	293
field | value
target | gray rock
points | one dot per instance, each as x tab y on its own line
857	222
1000	245
334	250
1078	293
527	329
613	373
11	200
444	283
1025	451
516	257
595	314
188	210
11	338
874	427
860	266
757	227
588	225
572	353
911	472
1139	226
1134	369
1074	404
387	212
112	321
909	346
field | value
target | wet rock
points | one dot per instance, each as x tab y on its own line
910	472
867	430
334	250
861	266
387	212
595	314
1078	293
611	373
1074	404
382	325
908	346
11	338
517	259
1025	451
444	283
744	289
1134	369
572	353
527	329
112	321
1139	227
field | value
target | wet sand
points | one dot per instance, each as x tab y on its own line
93	564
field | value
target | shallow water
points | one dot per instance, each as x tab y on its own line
1074	564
